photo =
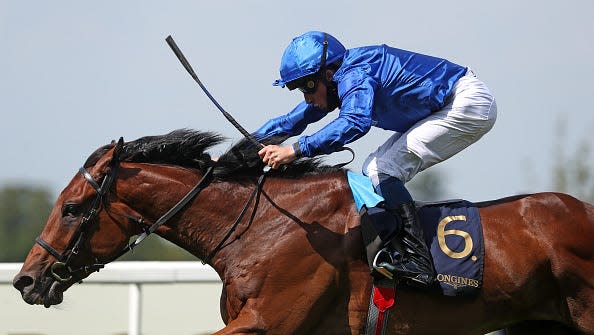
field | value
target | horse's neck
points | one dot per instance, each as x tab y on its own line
202	222
204	225
292	216
286	209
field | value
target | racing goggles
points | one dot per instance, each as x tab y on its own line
306	85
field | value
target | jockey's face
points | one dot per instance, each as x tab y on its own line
319	97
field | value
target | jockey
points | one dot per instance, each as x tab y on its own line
434	107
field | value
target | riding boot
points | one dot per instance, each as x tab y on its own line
405	255
411	257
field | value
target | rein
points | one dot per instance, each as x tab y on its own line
202	184
62	269
255	194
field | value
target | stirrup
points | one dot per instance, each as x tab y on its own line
381	267
383	264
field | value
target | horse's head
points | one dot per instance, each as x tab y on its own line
72	244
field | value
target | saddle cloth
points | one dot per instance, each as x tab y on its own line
452	229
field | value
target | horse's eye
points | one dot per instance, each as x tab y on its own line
70	210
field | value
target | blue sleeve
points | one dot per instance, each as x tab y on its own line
356	90
292	123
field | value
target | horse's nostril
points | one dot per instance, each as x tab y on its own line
22	281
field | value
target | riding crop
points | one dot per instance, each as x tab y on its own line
188	68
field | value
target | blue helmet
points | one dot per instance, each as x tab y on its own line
303	56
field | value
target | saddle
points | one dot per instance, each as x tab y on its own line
452	231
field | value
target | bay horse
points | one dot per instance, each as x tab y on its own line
293	261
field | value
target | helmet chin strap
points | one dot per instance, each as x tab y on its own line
332	98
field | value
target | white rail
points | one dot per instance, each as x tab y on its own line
135	274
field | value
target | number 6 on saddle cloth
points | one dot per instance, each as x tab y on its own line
452	229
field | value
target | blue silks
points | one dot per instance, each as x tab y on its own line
378	86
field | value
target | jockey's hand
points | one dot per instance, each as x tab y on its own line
274	155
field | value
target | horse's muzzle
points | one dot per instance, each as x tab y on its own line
45	291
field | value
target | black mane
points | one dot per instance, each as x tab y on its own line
187	148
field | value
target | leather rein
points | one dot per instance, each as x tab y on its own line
62	270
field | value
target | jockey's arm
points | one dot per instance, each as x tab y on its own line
290	124
355	118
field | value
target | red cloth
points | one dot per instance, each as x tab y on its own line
383	298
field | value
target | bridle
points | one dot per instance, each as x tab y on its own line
62	271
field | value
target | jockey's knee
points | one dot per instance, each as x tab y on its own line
403	168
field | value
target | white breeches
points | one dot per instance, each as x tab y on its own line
469	114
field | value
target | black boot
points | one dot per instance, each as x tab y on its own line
407	255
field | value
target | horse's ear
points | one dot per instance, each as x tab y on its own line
118	149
